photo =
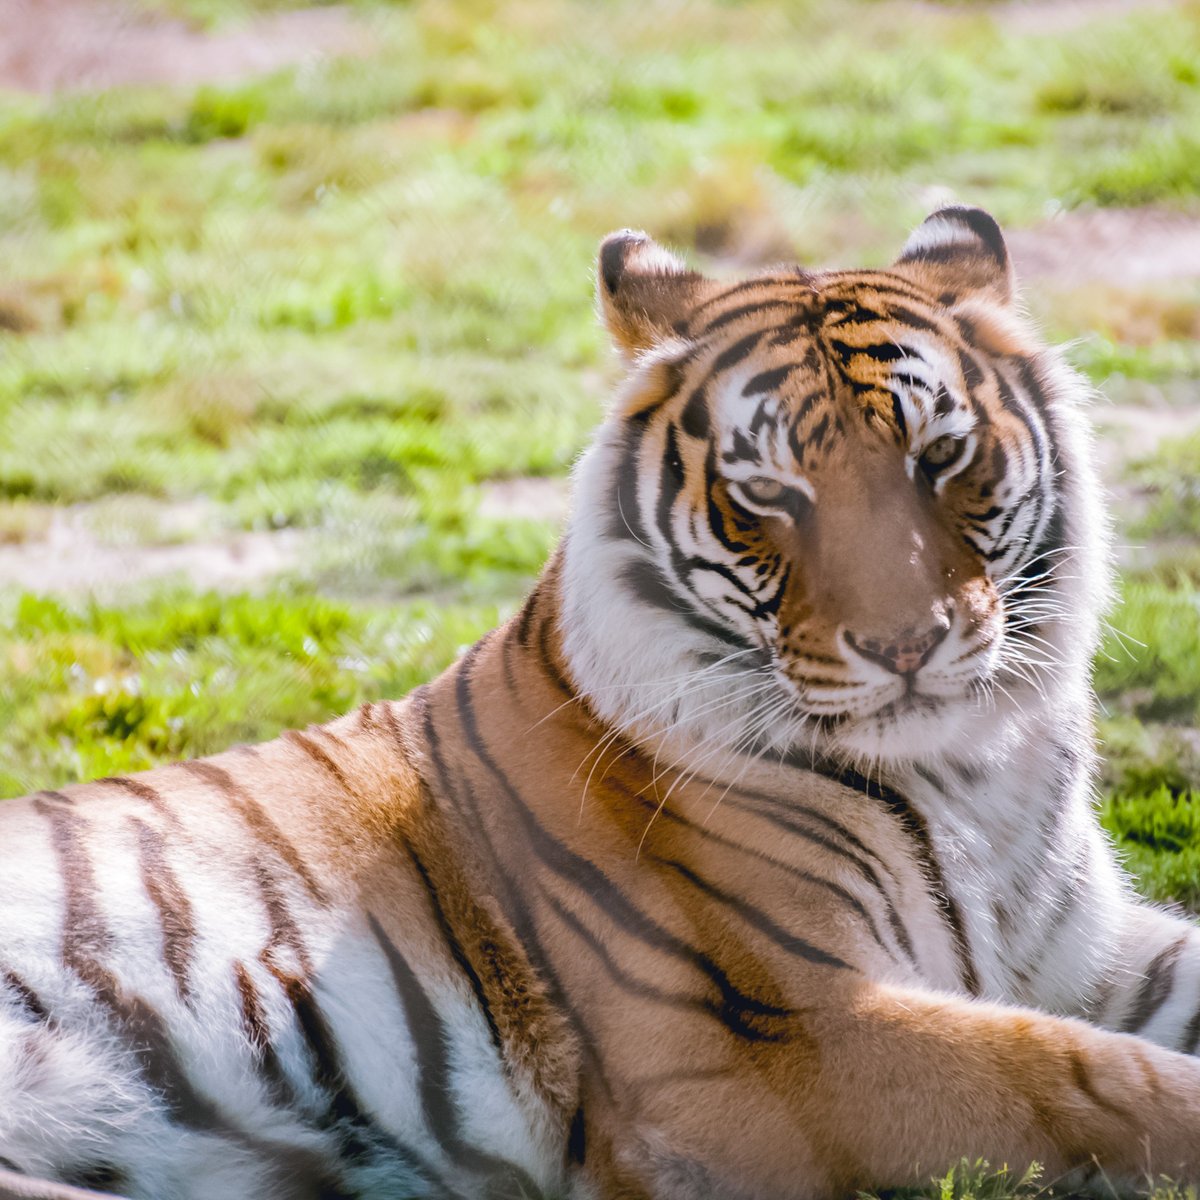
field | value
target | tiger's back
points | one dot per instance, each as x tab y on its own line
237	976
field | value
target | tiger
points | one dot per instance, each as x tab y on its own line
753	858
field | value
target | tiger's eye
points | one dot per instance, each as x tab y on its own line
762	489
942	451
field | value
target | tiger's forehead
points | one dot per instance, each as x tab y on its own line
793	364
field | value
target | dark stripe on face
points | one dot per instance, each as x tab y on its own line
626	519
1191	1035
649	585
716	518
261	825
738	352
1155	989
769	381
730	315
1045	560
735	1008
175	916
1010	402
694	420
878	351
748	285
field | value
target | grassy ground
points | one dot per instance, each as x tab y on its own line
346	299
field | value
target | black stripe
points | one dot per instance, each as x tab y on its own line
645	579
738	352
664	812
918	833
1191	1035
461	796
625	521
1156	987
319	756
577	1137
602	949
858	860
786	940
176	918
258	1035
143	791
769	381
430	1042
363	1141
745	310
694	420
877	351
256	817
456	950
734	1007
29	1000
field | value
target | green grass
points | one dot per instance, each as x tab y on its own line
1171	479
90	689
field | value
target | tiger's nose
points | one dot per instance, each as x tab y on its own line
904	654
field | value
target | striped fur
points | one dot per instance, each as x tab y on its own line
753	858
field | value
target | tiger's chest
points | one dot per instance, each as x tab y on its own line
1017	863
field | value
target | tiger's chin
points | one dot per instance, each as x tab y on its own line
921	728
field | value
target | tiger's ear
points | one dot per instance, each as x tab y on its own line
645	293
960	251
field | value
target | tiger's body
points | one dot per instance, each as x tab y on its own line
753	858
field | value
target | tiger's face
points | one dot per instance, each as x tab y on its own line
844	489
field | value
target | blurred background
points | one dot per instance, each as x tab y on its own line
297	343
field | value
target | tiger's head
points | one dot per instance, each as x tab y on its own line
850	511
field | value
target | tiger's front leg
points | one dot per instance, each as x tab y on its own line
896	1085
1153	985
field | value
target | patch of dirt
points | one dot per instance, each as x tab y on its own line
86	45
530	498
1062	16
1113	245
74	552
